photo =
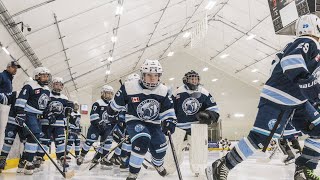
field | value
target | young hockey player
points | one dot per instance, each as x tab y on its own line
30	104
148	104
53	124
75	130
292	85
101	125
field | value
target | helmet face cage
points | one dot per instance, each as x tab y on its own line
187	78
42	71
57	84
150	85
151	67
107	93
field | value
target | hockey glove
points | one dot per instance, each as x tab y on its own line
310	88
102	125
20	119
207	117
51	118
67	111
117	135
169	125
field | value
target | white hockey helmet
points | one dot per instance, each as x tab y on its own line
151	66
57	79
104	92
106	88
308	25
39	71
133	76
76	106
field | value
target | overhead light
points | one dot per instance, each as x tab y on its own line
171	79
210	4
251	36
5	50
187	34
224	56
110	58
114	39
214	80
223	93
30	78
108	72
205	69
254	70
170	53
105	23
238	115
119	10
255	81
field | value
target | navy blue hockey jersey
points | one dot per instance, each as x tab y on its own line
152	106
298	60
58	103
33	98
187	103
99	112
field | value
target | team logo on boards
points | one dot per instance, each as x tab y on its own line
191	106
43	101
148	109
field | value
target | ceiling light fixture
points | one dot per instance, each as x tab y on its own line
170	53
224	56
210	4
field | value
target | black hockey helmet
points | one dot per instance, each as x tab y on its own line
188	75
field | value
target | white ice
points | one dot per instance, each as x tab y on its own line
254	168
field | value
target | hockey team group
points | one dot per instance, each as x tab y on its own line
140	115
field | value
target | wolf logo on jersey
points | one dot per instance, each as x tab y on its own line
148	109
56	107
191	106
105	116
43	101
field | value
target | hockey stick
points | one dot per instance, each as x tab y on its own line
97	151
67	175
66	144
110	151
282	132
94	147
174	155
267	141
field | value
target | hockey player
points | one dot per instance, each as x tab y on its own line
30	104
7	97
54	122
75	130
122	153
291	84
193	103
147	104
101	125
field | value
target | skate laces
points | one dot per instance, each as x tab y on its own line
310	174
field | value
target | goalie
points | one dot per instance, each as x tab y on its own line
195	109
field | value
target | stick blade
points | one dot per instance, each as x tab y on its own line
69	174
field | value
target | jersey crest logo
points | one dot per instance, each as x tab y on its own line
10	134
135	99
138	128
105	116
56	107
148	109
271	124
93	136
191	106
43	101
